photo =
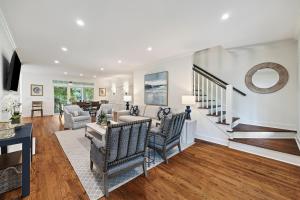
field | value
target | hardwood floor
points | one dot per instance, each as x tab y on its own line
203	171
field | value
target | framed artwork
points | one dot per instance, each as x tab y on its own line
102	92
156	89
37	90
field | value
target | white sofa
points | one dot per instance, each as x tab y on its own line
145	112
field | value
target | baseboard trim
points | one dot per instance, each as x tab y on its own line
275	155
212	140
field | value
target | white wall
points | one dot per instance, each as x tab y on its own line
31	74
180	79
6	50
231	65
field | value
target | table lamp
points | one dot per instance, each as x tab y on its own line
188	101
127	99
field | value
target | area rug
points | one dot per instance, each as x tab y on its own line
77	150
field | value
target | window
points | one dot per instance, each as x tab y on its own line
69	92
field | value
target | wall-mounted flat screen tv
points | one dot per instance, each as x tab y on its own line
13	73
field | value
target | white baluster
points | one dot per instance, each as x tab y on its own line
222	105
194	88
229	93
211	97
202	93
217	87
207	94
198	87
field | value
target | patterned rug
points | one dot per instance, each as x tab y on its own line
77	147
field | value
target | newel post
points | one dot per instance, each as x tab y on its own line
229	97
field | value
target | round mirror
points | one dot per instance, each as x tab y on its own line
265	78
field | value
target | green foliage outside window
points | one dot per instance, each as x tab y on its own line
60	98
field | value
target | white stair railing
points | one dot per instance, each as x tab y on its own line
229	93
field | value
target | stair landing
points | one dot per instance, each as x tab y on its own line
253	128
281	145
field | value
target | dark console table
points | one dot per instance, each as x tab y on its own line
24	136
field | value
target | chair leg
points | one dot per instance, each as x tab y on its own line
42	113
32	114
105	180
91	165
179	147
165	156
145	168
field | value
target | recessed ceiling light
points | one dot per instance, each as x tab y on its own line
119	61
65	73
149	49
64	48
80	74
95	76
80	22
225	16
56	61
101	68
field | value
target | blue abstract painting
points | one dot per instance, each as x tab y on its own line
156	89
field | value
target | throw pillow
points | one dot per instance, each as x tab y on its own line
163	111
165	123
134	110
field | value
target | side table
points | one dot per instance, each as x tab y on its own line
188	131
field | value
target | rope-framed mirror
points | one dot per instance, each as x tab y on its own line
266	78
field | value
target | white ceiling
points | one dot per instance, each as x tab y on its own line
119	29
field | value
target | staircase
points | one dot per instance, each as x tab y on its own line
214	99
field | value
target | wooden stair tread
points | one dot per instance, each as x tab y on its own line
218	114
253	128
281	145
224	120
209	107
204	100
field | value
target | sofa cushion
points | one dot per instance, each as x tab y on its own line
75	113
130	118
81	118
151	112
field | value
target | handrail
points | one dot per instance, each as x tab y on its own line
215	79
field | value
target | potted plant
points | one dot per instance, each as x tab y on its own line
10	106
102	119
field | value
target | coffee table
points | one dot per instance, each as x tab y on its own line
94	130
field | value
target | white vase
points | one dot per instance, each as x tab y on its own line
5	116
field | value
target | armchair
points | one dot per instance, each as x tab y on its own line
125	148
75	117
107	109
167	135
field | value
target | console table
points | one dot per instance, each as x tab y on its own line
23	136
188	131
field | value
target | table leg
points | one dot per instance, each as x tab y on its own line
4	150
26	168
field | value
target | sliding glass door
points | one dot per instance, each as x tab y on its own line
71	92
60	97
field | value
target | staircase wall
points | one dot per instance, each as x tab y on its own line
231	65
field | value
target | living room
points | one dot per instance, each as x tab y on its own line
149	100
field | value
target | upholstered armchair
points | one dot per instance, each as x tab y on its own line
107	109
125	148
75	117
167	135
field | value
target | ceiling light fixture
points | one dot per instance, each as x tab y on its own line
80	22
119	61
56	61
64	49
149	49
95	76
101	68
65	73
80	74
225	16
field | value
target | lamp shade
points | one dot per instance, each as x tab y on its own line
127	98
188	100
